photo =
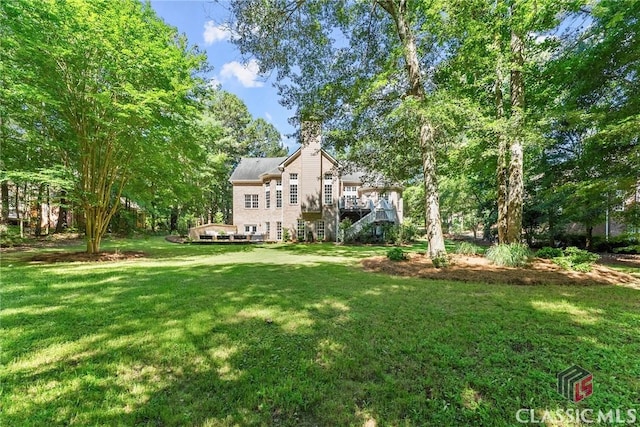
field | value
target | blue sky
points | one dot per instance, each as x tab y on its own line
203	24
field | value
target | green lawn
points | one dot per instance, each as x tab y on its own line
296	335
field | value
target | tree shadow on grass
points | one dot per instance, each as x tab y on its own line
317	344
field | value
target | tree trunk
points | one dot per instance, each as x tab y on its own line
589	239
173	220
38	209
516	179
434	225
501	172
62	213
399	13
4	195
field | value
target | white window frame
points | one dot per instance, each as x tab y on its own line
328	189
267	195
301	229
293	188
279	193
251	201
320	230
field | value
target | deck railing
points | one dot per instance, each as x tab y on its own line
383	212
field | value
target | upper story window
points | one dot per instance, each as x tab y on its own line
293	188
267	195
328	189
251	201
279	193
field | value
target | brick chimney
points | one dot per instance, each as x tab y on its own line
311	164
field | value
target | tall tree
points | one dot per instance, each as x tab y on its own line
339	62
496	53
113	81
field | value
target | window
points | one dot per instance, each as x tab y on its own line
300	230
328	189
251	201
351	196
293	188
267	229
278	230
250	229
279	193
267	195
385	196
320	230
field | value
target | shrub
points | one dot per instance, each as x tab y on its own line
396	254
185	222
511	255
632	249
441	260
549	252
576	259
466	248
406	234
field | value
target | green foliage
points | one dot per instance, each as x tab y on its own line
406	234
396	254
345	224
124	223
576	259
286	235
185	222
548	252
509	255
111	96
10	236
631	249
440	260
467	248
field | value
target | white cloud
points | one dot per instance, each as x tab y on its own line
246	74
215	33
268	117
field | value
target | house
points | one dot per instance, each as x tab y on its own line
305	195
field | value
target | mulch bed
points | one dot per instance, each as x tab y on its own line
479	269
85	257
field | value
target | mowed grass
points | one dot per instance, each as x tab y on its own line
297	335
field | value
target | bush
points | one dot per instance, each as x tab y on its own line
466	248
396	254
511	255
441	260
406	234
185	222
632	249
576	259
549	252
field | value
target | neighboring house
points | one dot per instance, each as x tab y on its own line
306	194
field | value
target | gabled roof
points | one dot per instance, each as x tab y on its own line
368	180
250	168
296	153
